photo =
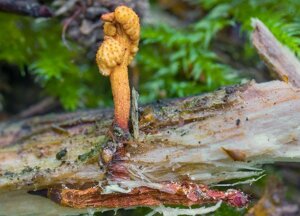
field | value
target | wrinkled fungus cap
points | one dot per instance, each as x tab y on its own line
110	54
122	23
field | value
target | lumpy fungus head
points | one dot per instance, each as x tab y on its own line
109	55
109	29
121	32
130	22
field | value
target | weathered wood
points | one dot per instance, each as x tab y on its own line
32	148
178	138
277	57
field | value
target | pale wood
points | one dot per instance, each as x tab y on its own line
277	57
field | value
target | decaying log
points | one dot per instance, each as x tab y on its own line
203	139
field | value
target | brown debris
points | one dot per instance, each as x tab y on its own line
234	154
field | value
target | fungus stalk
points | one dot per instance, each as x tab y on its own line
121	38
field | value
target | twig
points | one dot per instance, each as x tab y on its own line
276	56
38	108
66	25
134	114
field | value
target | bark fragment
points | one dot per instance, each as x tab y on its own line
187	194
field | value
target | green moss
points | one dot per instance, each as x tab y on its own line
9	174
36	46
93	153
226	210
61	154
